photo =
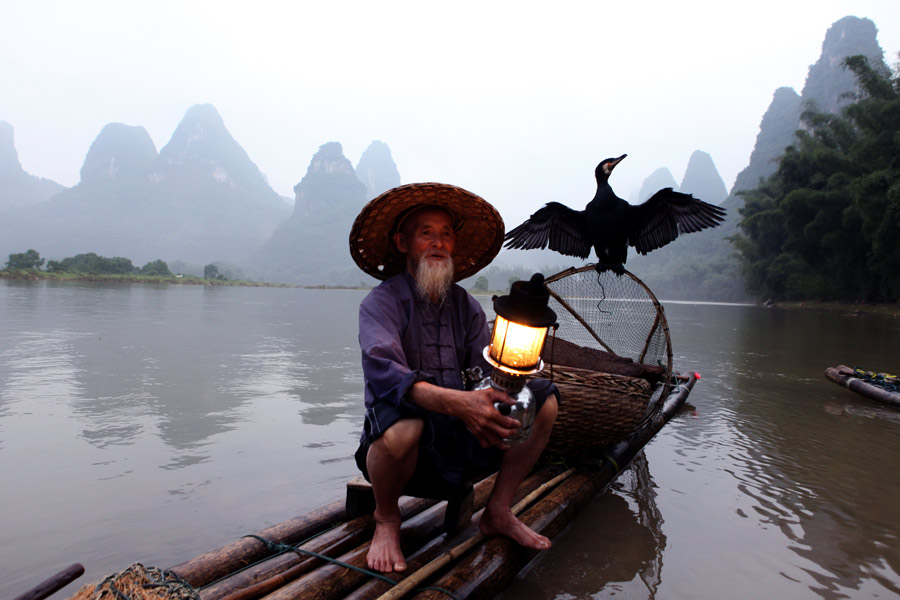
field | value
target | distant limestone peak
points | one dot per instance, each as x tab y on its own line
657	180
829	87
330	177
776	132
828	81
329	159
119	152
9	158
311	246
18	188
202	147
702	179
376	169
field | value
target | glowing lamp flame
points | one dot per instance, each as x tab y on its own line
515	347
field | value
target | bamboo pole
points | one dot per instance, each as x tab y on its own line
327	580
213	565
414	580
376	587
331	543
425	530
843	375
335	541
373	588
488	568
53	584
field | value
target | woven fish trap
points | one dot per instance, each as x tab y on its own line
611	358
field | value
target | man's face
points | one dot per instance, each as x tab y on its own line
427	235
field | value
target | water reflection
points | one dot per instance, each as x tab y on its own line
38	364
615	547
180	362
812	476
173	419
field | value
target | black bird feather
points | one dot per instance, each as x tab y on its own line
609	224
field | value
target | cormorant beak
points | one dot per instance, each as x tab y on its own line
608	166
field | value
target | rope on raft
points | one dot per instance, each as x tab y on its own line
279	547
138	582
885	381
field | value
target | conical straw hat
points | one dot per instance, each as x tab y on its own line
479	228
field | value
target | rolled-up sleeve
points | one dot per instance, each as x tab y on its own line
389	372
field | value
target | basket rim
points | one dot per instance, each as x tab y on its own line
661	320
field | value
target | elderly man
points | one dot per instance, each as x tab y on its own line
419	332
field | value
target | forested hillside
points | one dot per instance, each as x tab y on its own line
706	266
826	225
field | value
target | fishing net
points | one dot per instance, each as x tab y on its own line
611	357
138	582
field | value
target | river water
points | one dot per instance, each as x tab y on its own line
153	423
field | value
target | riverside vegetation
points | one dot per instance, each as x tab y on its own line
825	226
93	267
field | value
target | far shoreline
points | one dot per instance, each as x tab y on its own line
851	309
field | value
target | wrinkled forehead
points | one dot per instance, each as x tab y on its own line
409	221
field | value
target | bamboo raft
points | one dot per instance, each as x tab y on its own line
290	560
618	393
859	382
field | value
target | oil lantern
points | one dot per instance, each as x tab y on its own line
520	329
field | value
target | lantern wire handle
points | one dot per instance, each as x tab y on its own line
552	348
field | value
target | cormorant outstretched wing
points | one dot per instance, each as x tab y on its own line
555	225
667	213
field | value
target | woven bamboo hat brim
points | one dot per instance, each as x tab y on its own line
479	228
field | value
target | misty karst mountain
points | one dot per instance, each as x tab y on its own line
776	132
18	188
657	180
200	199
702	179
828	87
704	266
828	80
311	247
376	169
120	152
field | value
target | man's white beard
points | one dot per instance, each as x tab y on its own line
434	278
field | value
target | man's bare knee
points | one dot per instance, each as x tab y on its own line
401	437
549	410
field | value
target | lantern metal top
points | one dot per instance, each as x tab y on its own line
526	303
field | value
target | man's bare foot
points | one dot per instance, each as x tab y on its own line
385	554
506	524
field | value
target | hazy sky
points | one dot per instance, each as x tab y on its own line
516	101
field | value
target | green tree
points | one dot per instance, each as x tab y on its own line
93	264
210	271
157	267
25	260
481	284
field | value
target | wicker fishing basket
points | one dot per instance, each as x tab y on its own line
611	358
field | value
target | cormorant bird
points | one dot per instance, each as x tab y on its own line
611	224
